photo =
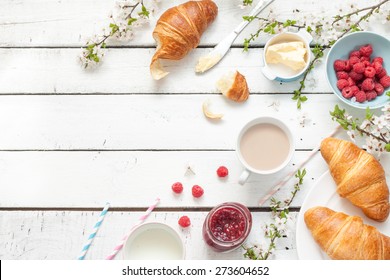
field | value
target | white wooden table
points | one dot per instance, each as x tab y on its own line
71	140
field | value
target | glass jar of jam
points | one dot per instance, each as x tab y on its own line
227	226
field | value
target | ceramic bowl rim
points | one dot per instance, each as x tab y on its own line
338	42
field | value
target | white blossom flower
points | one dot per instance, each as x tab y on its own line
189	169
352	136
373	146
280	224
365	124
348	117
386	111
140	21
303	120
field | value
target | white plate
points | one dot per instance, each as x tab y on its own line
324	193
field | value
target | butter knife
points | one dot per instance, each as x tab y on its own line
211	59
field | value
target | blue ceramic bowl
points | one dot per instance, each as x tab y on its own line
341	50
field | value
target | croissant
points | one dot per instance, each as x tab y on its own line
345	237
178	31
234	86
359	177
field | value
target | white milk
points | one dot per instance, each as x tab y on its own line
154	243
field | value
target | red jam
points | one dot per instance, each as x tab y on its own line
227	226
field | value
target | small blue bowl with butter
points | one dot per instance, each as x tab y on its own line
341	50
287	56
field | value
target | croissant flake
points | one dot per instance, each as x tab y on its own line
208	113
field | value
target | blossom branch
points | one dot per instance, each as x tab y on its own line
130	15
319	29
277	229
376	129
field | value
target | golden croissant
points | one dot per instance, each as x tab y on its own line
178	31
345	237
359	177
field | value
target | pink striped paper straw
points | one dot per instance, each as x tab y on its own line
279	185
141	220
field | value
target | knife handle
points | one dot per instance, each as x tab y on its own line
259	7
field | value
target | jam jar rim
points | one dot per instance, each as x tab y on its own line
248	224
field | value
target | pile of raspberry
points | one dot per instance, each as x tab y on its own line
361	78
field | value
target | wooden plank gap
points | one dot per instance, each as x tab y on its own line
132	209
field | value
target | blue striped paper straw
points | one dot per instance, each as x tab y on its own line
93	234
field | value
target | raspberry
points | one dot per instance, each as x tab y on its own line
347	92
366	63
342	75
342	84
184	221
378	59
377	66
379	88
177	187
354	89
370	95
353	60
366	50
339	65
381	74
348	66
355	54
222	171
385	81
364	58
368	84
360	96
355	76
197	191
359	68
369	72
351	82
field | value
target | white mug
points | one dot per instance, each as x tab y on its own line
249	169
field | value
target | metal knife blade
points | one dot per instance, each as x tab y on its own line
213	57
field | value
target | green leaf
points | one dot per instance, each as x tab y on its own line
297	93
303	98
299	104
355	28
144	12
131	21
247	2
249	18
318	51
387	147
114	28
96	58
246	45
368	114
289	23
270	28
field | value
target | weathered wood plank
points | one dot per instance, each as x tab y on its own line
125	71
71	22
60	235
134	179
131	179
134	122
